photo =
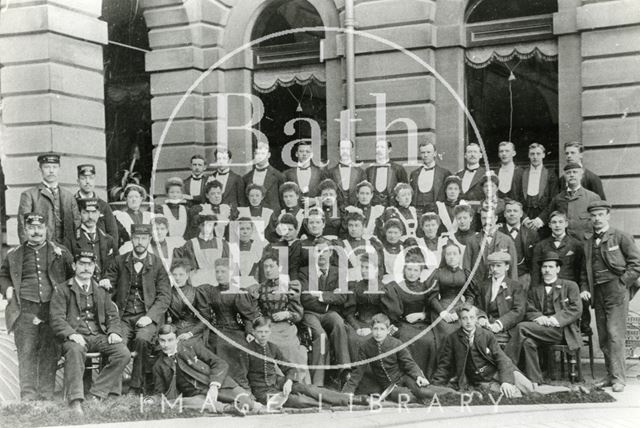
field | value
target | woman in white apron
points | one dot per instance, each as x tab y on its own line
393	251
259	214
174	208
203	251
133	214
429	247
405	212
452	189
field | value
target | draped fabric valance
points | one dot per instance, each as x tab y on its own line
481	57
265	81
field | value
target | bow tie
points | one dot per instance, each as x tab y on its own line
261	169
222	173
428	168
304	168
472	170
196	178
598	235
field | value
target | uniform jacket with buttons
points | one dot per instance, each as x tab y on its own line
39	200
107	247
198	364
455	354
65	310
567	305
385	371
59	270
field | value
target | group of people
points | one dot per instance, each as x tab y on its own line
356	281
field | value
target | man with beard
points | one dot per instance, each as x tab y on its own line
27	279
87	183
84	319
57	205
141	290
90	237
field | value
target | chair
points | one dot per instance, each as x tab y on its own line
575	364
587	340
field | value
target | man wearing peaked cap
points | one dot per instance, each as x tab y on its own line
574	201
609	280
86	183
141	290
501	300
27	278
553	314
89	236
58	205
84	319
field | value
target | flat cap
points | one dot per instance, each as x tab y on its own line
599	205
572	165
499	256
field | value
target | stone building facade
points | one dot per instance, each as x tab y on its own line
52	82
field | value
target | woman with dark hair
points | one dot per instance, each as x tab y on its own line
406	303
134	195
179	313
429	245
445	209
447	282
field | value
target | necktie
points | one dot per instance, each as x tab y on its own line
598	237
514	232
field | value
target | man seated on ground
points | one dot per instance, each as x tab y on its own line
262	375
397	371
473	358
200	376
553	317
84	319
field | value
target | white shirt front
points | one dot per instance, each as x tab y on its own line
467	178
222	178
425	180
345	176
533	187
304	176
195	186
382	172
505	176
258	176
495	287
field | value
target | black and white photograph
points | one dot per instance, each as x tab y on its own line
344	213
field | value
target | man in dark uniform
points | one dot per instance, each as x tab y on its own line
141	290
90	237
263	174
524	239
346	175
87	181
427	181
384	175
553	313
305	174
84	319
57	205
612	267
232	183
195	183
472	175
27	278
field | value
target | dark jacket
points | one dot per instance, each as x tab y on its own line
529	239
65	310
317	175
500	242
590	181
198	364
233	191
575	207
547	190
272	181
107	221
515	192
439	175
474	193
570	251
511	301
455	353
107	247
567	305
258	373
385	371
59	270
619	252
38	199
332	299
197	199
396	174
357	175
155	285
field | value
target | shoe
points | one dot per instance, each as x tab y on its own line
361	400
76	407
617	387
134	392
230	409
603	383
93	398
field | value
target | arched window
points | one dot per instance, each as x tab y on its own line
512	75
289	73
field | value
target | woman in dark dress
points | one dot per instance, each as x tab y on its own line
406	303
179	314
447	281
